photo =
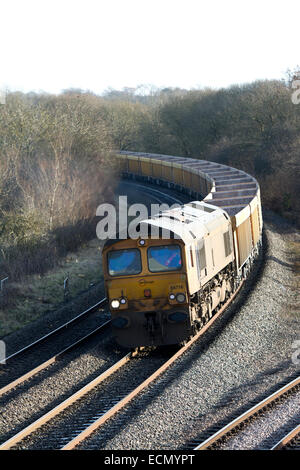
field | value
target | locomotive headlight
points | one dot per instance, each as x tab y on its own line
172	296
115	303
123	301
180	298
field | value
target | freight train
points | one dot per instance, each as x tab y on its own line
166	285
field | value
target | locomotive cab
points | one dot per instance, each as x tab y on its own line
146	285
163	286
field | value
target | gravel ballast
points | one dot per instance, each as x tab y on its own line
268	429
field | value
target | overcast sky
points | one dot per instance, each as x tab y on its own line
52	45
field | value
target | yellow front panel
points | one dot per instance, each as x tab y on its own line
133	288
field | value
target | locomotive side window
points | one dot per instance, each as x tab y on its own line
164	258
122	262
227	243
201	257
192	259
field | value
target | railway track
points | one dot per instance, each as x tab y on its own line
56	331
52	360
160	194
18	366
227	436
290	440
99	403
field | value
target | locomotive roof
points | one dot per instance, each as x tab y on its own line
190	221
187	222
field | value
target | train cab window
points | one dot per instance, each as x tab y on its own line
164	258
124	262
192	259
201	257
227	244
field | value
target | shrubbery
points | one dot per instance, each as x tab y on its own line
56	167
254	127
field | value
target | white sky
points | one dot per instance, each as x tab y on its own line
52	45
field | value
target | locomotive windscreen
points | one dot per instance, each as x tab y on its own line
123	262
164	258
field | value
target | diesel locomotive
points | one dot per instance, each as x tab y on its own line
168	283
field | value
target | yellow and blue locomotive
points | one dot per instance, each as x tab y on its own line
165	285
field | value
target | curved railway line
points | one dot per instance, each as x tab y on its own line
11	378
53	359
257	413
120	402
290	440
53	333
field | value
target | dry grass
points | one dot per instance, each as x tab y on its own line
29	299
